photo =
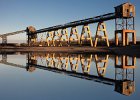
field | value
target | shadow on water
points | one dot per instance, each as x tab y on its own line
79	66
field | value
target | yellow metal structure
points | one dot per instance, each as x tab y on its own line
88	37
125	25
101	28
50	38
125	39
57	38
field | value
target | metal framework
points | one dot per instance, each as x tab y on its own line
101	70
124	76
80	66
58	35
124	23
75	37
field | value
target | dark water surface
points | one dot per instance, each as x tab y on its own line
51	76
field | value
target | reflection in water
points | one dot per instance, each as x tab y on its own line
79	65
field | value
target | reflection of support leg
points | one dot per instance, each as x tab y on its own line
64	62
124	80
31	60
74	61
101	70
86	63
124	62
4	57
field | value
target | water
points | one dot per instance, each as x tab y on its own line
41	76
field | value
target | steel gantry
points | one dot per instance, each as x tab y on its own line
124	13
68	34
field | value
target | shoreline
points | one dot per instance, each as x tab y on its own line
133	50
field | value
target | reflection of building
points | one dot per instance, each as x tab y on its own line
124	74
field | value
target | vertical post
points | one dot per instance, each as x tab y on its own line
116	39
126	39
31	35
123	37
133	23
123	60
134	37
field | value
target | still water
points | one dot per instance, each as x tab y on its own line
61	76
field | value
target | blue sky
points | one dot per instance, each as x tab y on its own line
18	14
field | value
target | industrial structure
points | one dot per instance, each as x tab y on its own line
60	35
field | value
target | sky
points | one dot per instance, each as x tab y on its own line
18	14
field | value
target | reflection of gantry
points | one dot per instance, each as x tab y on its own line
124	72
70	64
4	61
86	63
125	85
